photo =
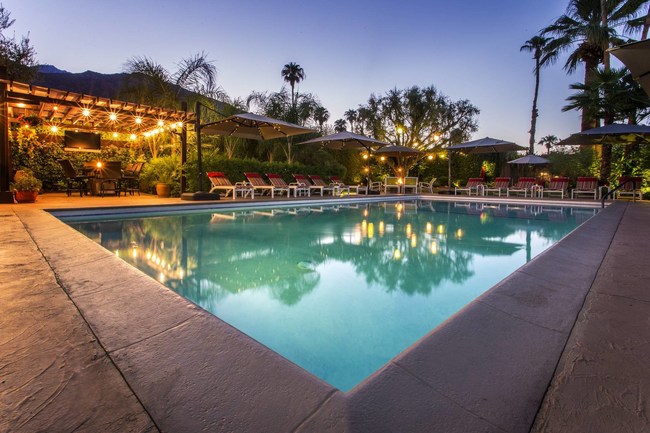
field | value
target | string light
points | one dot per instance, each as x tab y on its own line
85	112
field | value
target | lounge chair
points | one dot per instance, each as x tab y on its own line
258	184
631	187
75	181
304	180
296	187
220	182
391	183
557	185
585	186
410	183
427	186
352	188
524	184
474	184
499	186
333	187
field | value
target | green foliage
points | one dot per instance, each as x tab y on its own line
39	156
581	162
26	181
164	169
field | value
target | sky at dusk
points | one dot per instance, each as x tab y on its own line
348	49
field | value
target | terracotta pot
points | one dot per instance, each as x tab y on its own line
26	196
163	189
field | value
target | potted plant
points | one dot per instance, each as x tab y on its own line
25	186
166	171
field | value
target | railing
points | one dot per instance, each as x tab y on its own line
612	191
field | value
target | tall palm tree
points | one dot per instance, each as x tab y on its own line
581	32
548	141
537	46
293	74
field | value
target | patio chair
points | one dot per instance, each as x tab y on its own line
524	184
631	187
427	186
410	183
585	186
393	183
333	187
296	187
220	182
109	177
258	184
131	178
557	185
302	179
474	184
75	181
351	188
499	186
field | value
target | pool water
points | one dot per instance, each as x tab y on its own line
338	290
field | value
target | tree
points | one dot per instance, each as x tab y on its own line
160	87
17	57
351	117
321	116
421	118
293	74
548	141
612	96
340	125
536	45
581	31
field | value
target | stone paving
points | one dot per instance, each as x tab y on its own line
73	357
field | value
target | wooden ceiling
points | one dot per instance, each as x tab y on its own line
69	110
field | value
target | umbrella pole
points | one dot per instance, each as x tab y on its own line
449	170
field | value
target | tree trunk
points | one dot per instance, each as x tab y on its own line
603	23
533	117
606	155
591	65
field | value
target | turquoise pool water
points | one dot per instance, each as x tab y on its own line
338	290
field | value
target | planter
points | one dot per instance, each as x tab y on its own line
163	189
26	196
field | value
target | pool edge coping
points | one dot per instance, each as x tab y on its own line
355	408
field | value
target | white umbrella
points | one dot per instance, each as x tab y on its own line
487	145
530	160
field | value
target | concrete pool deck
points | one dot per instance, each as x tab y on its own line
90	344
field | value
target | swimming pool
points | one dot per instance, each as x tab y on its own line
338	290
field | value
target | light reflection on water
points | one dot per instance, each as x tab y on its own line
338	290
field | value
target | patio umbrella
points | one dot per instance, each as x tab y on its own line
486	145
530	160
254	126
616	133
347	140
636	56
482	146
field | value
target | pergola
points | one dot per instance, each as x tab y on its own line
59	110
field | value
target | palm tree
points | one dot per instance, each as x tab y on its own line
293	74
612	96
548	141
351	117
195	74
581	31
536	45
340	125
321	115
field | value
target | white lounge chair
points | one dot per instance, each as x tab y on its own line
220	182
585	186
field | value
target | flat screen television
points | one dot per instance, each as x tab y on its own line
82	141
